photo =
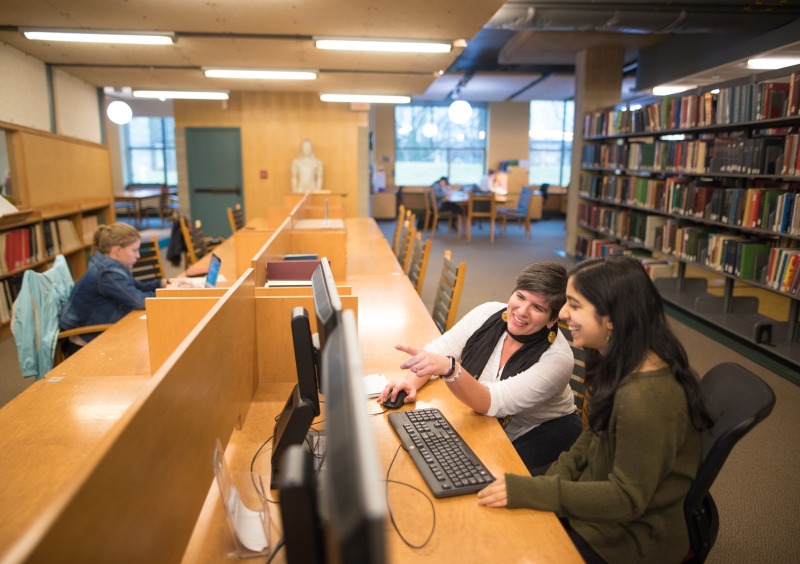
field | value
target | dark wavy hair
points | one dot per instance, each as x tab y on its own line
619	287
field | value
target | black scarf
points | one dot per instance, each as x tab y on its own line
480	345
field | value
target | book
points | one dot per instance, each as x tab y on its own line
752	257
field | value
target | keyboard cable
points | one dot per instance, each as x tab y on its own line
421	492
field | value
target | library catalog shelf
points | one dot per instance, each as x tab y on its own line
621	170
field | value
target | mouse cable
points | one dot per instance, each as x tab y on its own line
391	514
275	550
260	489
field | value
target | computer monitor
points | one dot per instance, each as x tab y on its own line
291	428
327	305
305	357
352	494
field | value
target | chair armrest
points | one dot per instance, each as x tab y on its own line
84	330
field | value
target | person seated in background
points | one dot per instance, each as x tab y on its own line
487	182
508	361
441	188
621	487
107	291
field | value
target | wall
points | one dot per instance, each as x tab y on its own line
273	125
24	100
77	108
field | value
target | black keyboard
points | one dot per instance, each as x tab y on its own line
447	464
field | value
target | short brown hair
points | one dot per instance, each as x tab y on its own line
548	279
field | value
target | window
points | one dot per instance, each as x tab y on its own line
428	145
551	141
151	151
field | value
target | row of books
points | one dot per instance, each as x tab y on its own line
768	209
736	104
27	245
588	247
9	289
746	258
604	156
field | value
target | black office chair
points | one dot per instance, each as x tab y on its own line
737	400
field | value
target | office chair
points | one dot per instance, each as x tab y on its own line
149	265
737	401
481	207
521	213
448	294
418	265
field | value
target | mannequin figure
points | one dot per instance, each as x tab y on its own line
306	170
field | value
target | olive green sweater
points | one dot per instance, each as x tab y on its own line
622	490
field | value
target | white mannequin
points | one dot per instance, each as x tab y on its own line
306	170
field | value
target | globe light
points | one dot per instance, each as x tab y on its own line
119	112
459	112
430	130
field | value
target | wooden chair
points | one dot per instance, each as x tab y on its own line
236	217
149	265
737	400
481	207
401	217
418	265
63	337
576	381
168	205
197	245
416	199
406	242
521	213
448	294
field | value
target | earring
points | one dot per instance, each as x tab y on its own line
608	336
551	336
504	316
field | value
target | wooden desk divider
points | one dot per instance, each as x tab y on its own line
138	498
274	348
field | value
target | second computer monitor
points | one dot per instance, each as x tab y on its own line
305	357
327	305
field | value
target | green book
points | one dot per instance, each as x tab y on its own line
749	253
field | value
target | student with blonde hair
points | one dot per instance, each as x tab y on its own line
108	291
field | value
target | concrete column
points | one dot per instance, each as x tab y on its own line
598	84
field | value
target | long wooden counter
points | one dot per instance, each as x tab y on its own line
105	462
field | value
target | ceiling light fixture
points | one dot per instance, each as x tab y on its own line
383	45
459	112
119	112
667	89
83	36
771	63
175	94
262	74
368	98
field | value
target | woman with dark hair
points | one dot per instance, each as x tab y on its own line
620	488
510	361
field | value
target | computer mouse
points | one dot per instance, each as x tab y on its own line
398	401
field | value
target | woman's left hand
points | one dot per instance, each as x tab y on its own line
495	494
424	363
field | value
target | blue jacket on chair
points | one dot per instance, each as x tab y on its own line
36	313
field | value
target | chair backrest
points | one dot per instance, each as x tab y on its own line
578	377
194	240
418	264
401	217
737	401
525	200
149	265
406	242
448	294
236	217
481	206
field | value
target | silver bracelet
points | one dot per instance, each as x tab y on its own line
455	377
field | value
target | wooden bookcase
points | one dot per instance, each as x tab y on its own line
25	244
705	187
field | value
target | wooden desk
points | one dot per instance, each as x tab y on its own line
137	196
390	312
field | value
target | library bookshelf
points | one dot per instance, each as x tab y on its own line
33	239
704	188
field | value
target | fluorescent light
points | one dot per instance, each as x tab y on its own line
368	98
772	62
175	94
261	74
385	45
127	38
667	89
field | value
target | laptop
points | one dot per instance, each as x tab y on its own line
213	271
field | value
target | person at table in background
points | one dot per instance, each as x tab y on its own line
442	188
107	291
508	361
487	182
306	170
620	489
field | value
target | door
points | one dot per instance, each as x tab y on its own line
214	161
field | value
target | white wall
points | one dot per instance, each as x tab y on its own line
24	93
77	108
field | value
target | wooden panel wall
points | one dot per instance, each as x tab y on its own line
273	124
50	169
